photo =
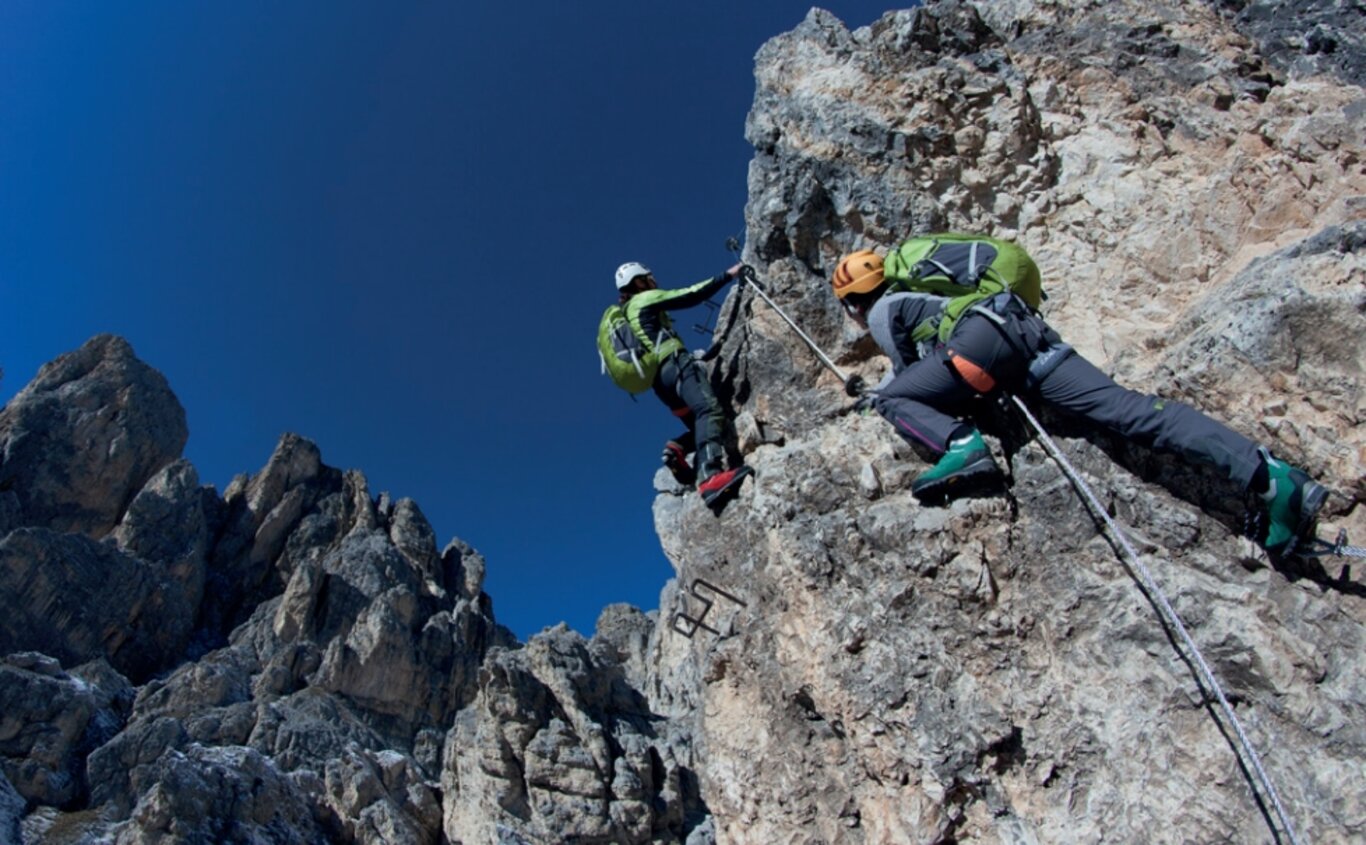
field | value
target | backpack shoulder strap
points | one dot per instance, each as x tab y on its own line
880	327
904	314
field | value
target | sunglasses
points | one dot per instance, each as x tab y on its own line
853	309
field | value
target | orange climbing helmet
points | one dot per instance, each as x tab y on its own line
858	272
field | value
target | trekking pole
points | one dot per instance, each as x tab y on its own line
1337	548
751	276
1149	586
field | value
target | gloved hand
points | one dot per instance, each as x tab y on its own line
865	405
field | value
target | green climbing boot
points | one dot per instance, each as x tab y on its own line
1291	506
966	458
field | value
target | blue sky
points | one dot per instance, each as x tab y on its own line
390	228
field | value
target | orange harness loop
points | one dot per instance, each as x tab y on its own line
976	377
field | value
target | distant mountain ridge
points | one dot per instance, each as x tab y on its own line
300	660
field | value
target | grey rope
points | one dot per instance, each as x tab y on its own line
1150	586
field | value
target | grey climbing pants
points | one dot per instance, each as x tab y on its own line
682	385
926	400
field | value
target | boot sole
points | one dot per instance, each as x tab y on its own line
713	497
978	470
680	469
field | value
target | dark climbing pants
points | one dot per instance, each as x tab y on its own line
682	385
925	401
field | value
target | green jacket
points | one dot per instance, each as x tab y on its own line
647	313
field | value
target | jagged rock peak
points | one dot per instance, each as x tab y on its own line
297	639
294	662
84	437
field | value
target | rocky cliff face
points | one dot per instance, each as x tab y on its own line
1191	181
297	660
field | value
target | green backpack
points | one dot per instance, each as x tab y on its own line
627	356
967	268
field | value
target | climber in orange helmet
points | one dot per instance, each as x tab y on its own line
957	315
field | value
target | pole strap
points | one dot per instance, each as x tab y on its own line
1150	587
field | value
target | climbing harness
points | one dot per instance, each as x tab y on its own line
753	278
1155	594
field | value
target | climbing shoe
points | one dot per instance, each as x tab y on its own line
966	459
676	461
716	488
1290	506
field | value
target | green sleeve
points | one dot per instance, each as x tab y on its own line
673	300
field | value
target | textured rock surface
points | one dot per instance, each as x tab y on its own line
51	720
298	660
568	747
85	435
11	812
78	600
1302	38
295	661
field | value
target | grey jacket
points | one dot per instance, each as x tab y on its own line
891	320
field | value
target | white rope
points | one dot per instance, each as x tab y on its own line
1150	586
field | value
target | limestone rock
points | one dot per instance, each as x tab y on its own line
218	795
622	637
85	435
1307	38
77	600
464	569
1282	330
123	762
361	654
382	797
250	561
11	813
557	746
50	720
310	640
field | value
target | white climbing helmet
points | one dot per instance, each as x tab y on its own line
629	271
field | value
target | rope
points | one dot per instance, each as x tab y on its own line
1150	586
